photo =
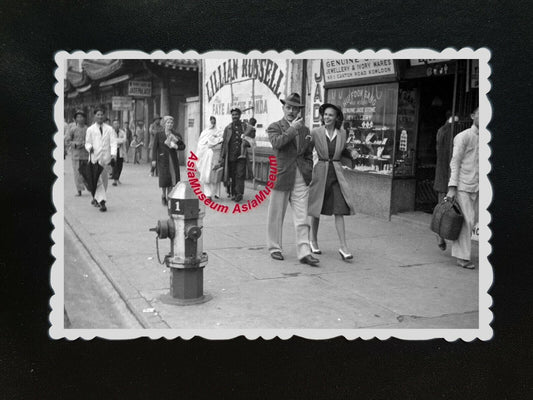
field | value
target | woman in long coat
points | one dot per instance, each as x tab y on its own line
165	151
329	192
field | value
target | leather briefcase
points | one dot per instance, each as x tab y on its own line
447	219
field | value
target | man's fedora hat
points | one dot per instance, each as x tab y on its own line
293	100
156	117
329	105
79	112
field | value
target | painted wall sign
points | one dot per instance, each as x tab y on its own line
253	85
140	88
339	70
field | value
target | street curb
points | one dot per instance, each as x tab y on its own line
118	280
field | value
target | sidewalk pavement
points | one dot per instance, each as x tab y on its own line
399	278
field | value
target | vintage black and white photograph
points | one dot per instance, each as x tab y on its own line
272	194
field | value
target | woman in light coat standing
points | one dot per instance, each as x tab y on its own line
329	192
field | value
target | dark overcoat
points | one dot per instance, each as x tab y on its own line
224	151
167	160
292	148
444	156
320	171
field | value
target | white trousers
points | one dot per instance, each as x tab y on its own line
101	188
211	189
462	247
297	197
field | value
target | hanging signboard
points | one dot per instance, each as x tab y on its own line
340	70
140	88
121	103
255	86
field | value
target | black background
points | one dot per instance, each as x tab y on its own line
34	366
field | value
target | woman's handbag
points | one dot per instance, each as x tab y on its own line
447	219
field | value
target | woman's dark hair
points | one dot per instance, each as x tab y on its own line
211	118
338	118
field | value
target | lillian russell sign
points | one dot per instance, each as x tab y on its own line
265	71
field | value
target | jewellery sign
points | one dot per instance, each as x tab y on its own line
255	86
342	69
140	88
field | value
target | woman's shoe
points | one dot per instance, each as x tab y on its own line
314	250
345	256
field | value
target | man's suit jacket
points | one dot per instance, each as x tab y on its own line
104	144
292	150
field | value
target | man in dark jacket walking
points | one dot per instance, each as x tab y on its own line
231	154
442	168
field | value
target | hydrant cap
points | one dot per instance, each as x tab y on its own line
182	190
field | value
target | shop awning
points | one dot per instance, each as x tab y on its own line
100	69
116	80
77	79
181	64
85	88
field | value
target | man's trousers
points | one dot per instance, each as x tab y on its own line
297	197
469	203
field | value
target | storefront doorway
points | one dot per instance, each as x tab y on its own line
436	99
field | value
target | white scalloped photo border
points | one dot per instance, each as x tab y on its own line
484	330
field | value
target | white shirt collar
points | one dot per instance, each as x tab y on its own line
334	134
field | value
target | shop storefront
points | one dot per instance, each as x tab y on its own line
392	111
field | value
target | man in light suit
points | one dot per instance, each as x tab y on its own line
101	144
464	186
290	140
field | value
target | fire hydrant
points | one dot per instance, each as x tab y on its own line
186	259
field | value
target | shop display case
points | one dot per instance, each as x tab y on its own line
370	114
374	147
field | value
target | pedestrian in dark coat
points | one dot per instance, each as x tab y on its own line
165	151
235	163
442	168
329	192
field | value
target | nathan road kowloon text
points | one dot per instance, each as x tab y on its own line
238	208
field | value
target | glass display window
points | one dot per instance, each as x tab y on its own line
370	118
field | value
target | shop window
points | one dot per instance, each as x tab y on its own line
370	114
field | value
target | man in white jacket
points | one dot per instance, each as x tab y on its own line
101	143
464	186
